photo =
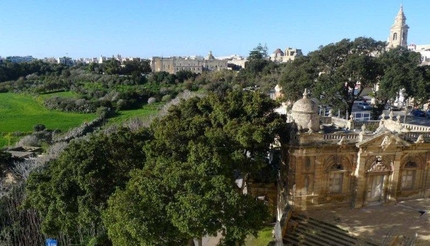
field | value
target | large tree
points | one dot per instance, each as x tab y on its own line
71	192
336	73
400	71
187	186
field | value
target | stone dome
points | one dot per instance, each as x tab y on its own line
278	52
305	113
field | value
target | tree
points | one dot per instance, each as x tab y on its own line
257	59
349	68
421	86
258	53
297	76
200	148
401	71
112	66
72	191
338	72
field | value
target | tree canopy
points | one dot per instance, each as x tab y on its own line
188	183
336	73
72	191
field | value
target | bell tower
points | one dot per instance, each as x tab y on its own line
398	31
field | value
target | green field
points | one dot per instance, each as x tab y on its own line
19	113
22	112
146	111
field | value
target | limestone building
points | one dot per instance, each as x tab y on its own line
194	64
289	54
329	161
399	31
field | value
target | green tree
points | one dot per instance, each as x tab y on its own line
421	86
199	149
400	72
346	68
296	76
72	191
112	66
257	60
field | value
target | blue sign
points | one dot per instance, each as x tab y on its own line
51	242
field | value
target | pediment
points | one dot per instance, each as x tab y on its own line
385	140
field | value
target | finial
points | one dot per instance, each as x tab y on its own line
305	93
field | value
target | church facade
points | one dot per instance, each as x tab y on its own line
329	161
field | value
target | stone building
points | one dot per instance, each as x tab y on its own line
399	31
289	54
194	64
329	161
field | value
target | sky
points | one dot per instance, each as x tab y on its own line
133	28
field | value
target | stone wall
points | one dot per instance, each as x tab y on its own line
267	192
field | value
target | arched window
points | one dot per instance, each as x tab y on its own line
336	178
395	36
408	175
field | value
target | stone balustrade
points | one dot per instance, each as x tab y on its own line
345	136
371	124
416	128
413	136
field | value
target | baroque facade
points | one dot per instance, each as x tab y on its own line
329	161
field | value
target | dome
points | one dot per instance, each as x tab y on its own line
278	52
305	105
305	113
210	56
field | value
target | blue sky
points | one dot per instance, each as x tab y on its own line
53	28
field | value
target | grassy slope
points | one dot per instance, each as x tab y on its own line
19	113
22	112
146	111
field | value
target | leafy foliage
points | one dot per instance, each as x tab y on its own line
188	184
72	191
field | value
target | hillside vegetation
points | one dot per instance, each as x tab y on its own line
20	113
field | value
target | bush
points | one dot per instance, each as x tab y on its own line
166	98
39	127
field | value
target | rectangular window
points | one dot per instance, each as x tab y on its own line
335	182
408	179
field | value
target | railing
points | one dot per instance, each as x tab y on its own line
340	136
416	128
413	136
371	124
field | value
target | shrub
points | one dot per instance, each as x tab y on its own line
39	127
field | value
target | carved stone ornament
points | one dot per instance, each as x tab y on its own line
420	139
386	142
378	166
341	141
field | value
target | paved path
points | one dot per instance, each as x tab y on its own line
406	218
